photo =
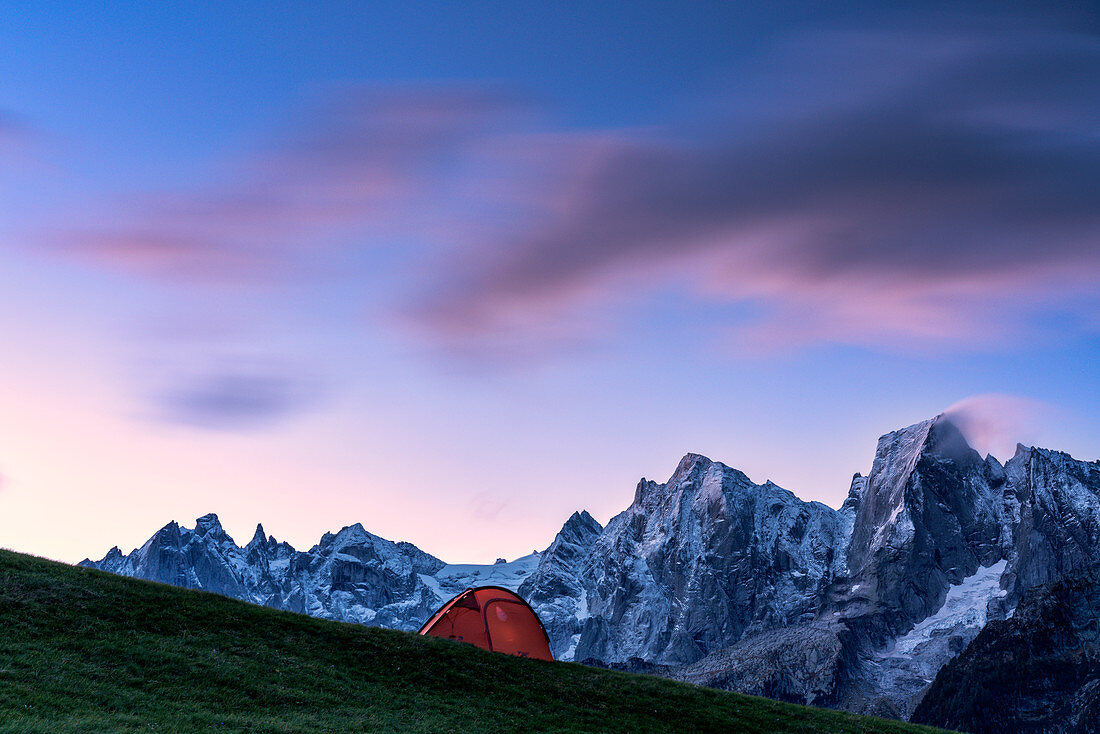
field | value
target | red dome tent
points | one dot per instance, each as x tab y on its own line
494	619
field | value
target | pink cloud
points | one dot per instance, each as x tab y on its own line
888	214
994	424
369	160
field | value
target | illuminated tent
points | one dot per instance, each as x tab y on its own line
494	619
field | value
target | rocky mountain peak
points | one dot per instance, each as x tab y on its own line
113	556
579	517
947	441
855	494
888	498
354	533
557	588
355	530
258	538
208	524
689	462
702	559
580	524
169	535
694	475
646	488
694	467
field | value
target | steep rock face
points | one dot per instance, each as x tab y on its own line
945	541
1053	507
1036	672
929	524
555	590
942	541
694	563
359	577
929	518
803	664
267	564
203	558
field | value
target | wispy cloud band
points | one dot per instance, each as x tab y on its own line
879	187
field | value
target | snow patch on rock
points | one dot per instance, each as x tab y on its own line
965	606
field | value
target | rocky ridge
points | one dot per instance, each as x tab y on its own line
351	575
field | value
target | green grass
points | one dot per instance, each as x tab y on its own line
86	651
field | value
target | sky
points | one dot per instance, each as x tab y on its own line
455	270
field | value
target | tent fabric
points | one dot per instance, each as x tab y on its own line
494	619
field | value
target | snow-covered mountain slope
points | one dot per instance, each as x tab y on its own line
556	590
696	562
730	583
351	575
1036	672
453	578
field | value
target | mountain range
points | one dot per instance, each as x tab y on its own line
713	579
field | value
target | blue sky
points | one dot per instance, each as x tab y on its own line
453	267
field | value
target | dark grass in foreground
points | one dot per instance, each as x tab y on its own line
85	651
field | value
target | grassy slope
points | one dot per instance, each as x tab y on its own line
83	650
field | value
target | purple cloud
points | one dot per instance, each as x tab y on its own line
928	206
235	400
879	187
